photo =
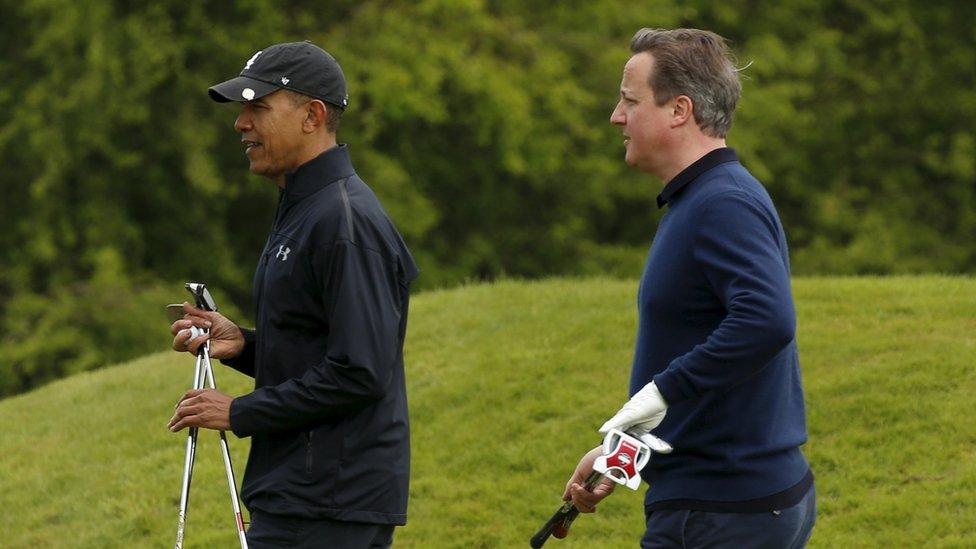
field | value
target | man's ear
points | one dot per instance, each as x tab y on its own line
683	111
315	115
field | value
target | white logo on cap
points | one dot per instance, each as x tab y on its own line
251	60
247	93
285	80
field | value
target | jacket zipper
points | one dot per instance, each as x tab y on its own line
274	226
266	252
308	451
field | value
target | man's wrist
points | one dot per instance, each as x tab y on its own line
247	338
655	392
667	389
247	334
237	417
244	354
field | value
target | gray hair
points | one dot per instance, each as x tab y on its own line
333	114
695	63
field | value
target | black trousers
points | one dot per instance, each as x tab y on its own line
788	528
274	531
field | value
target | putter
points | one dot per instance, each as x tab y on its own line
624	455
203	374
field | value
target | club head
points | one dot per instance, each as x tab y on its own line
201	295
174	311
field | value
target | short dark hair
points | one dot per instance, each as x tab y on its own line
695	63
333	114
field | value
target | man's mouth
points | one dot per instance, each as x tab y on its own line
249	145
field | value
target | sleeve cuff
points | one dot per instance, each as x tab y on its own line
668	388
246	355
240	422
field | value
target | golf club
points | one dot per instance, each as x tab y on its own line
203	374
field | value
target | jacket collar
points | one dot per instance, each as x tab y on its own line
318	173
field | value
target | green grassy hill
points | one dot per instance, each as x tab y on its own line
508	383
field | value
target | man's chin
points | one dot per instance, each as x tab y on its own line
639	164
263	170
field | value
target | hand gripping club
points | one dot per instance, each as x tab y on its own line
624	456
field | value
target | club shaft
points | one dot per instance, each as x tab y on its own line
225	452
191	449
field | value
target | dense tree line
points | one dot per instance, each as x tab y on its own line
483	126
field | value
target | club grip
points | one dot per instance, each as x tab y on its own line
557	519
558	525
561	529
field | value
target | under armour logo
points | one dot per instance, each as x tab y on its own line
285	80
251	60
283	253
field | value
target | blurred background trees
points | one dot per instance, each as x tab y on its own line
482	125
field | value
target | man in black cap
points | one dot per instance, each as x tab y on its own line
330	452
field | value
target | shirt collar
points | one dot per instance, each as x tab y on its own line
689	174
326	168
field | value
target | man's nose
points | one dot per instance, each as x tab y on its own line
243	123
617	116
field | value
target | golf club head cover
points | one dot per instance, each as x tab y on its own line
623	458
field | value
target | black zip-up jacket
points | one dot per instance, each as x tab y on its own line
328	415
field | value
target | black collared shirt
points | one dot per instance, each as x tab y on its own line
328	414
329	167
689	174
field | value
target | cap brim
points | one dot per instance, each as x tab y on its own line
240	89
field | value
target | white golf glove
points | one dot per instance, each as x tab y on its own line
643	412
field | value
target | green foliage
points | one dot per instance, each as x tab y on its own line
482	125
859	117
508	383
84	325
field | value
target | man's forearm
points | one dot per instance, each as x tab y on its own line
743	344
327	390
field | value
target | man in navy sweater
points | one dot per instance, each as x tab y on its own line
715	369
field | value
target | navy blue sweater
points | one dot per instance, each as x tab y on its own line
716	334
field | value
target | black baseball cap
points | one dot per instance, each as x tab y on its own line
301	67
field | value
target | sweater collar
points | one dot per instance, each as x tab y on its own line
695	169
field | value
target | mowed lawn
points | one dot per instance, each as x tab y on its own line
508	383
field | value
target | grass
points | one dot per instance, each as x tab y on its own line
508	383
